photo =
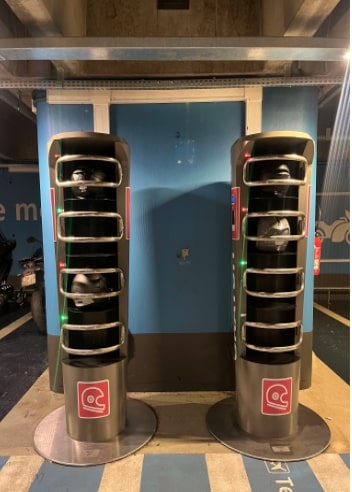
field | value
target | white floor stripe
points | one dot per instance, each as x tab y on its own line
19	472
123	475
226	473
13	326
331	471
332	314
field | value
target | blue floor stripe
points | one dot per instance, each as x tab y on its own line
346	459
53	477
272	476
3	460
175	473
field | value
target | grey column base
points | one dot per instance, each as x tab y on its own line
53	443
311	439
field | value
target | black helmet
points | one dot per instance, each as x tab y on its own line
81	191
92	283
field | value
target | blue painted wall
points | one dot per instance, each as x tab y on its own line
52	119
180	247
180	183
296	109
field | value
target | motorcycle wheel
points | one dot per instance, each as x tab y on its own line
38	311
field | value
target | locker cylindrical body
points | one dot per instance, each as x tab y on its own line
95	398
267	397
90	201
271	189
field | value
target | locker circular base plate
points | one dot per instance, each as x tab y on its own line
53	443
311	439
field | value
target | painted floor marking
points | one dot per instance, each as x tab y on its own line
19	472
332	472
61	478
174	473
335	316
3	460
124	475
13	326
275	476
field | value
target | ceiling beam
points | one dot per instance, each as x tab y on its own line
174	49
309	17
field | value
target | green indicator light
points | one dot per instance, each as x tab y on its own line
243	263
63	317
59	210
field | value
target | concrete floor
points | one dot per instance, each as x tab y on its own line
181	431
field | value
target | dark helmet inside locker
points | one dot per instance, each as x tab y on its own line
84	190
80	191
89	285
276	171
98	176
269	227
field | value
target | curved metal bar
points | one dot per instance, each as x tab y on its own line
277	349
82	157
274	295
278	326
268	182
98	351
90	295
102	326
275	213
88	239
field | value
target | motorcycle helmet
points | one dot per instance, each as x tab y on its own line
279	172
99	177
93	283
82	190
272	226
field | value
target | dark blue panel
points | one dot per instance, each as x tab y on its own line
21	214
333	216
174	473
333	185
67	478
180	181
272	476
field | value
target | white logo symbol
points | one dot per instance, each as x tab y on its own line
277	467
90	399
275	396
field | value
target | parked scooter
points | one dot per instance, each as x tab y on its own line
9	297
32	283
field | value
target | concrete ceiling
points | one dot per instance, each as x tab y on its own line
66	40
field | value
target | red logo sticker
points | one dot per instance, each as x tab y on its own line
276	396
93	399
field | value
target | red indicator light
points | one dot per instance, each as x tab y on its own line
57	156
247	155
243	209
61	264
